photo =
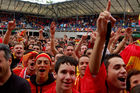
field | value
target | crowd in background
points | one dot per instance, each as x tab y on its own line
36	64
79	23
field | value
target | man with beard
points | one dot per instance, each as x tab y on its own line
9	82
42	80
65	69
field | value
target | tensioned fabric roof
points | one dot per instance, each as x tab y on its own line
71	8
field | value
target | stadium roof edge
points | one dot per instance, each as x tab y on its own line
71	8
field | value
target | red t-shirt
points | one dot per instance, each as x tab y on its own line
94	84
53	90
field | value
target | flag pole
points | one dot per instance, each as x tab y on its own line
107	40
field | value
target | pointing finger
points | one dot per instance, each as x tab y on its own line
108	6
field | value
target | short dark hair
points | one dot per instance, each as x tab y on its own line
6	50
65	59
27	51
58	46
86	50
37	45
68	45
61	42
109	56
130	74
71	43
84	56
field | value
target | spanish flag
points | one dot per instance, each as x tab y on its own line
139	19
131	57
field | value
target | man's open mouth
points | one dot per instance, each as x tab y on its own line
42	70
18	53
32	64
122	79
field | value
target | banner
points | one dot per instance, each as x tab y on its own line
131	57
139	19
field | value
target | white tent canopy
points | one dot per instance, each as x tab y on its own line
46	1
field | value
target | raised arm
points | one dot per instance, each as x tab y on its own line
121	45
113	41
41	34
129	34
26	37
112	38
92	37
78	47
52	35
11	26
95	60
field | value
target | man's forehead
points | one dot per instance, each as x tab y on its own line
116	61
19	45
2	52
135	77
69	47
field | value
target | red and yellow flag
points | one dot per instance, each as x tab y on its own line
131	56
139	19
133	63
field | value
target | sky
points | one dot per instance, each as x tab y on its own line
55	1
44	1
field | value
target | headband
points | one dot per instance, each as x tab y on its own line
44	55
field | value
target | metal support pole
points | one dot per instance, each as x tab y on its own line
14	9
124	10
